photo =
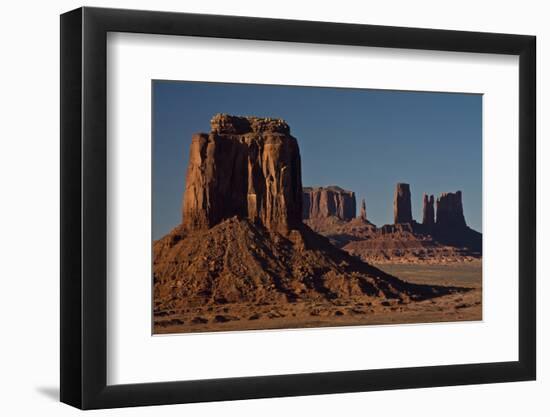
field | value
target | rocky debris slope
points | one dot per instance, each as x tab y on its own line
322	202
242	238
406	243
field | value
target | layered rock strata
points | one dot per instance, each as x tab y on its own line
445	240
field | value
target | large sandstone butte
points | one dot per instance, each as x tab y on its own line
319	202
242	241
247	167
402	212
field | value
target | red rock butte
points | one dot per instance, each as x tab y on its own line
445	239
247	167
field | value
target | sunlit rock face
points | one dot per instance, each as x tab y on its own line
247	167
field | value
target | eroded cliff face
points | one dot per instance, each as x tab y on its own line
247	167
322	202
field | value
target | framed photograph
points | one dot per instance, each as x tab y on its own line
258	208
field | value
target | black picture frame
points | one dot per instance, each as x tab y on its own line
84	207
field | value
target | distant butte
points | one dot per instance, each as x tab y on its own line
428	212
442	237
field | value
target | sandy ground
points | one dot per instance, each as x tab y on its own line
456	307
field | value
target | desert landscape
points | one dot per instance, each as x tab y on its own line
257	250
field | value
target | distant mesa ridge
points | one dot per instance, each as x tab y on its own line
319	202
443	235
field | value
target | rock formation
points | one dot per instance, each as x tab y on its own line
247	167
406	241
402	212
321	202
451	228
242	241
363	215
449	211
428	213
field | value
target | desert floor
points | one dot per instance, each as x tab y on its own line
456	307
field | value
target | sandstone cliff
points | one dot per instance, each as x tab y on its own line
247	167
319	202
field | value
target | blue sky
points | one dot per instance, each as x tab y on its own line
362	140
